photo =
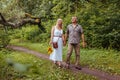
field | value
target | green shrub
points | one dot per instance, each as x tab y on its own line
4	40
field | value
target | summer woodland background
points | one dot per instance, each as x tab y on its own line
100	20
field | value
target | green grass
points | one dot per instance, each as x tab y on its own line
39	69
33	46
107	61
104	60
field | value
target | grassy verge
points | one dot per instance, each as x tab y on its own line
104	60
33	46
38	69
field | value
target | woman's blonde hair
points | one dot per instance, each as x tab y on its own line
58	21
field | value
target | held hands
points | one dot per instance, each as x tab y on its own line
64	43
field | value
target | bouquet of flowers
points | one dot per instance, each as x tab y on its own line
49	50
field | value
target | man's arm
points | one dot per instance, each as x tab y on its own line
66	36
83	40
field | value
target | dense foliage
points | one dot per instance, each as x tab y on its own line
100	19
4	39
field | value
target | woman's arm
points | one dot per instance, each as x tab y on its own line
52	34
63	38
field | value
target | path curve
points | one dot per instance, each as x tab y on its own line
99	74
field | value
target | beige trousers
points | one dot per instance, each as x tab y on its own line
76	47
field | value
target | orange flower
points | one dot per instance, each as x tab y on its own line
50	50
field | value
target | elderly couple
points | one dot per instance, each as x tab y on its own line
74	33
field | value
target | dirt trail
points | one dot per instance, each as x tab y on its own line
99	74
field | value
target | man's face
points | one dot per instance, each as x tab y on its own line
74	19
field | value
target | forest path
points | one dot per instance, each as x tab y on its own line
99	74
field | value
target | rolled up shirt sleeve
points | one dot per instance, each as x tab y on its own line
81	29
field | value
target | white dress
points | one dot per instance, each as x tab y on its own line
56	55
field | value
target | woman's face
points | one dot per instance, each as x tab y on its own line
60	22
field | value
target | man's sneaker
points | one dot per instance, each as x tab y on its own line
67	66
78	67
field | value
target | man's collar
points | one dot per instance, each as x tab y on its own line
72	25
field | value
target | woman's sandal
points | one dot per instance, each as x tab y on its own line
60	66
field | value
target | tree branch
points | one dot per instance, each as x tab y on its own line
31	20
